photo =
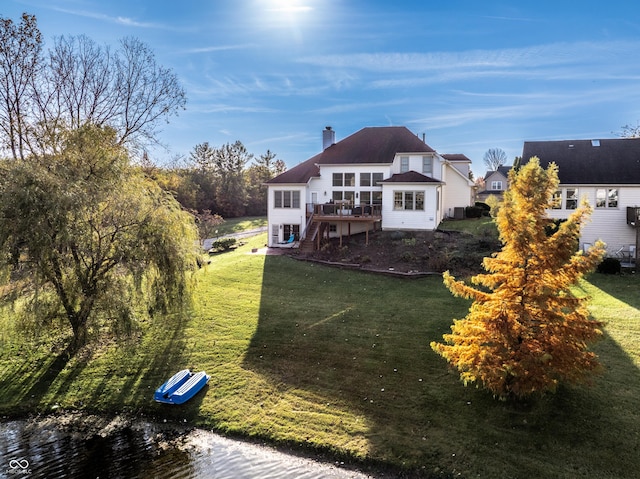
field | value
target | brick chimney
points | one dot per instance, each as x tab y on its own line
328	137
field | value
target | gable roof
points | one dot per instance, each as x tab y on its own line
503	170
373	145
369	145
299	174
588	162
410	177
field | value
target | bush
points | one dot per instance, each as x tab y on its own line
397	235
483	206
473	212
223	244
609	266
409	241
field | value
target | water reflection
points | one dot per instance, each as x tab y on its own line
47	449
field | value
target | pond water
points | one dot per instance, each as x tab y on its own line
48	449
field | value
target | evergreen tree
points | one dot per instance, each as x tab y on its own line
526	332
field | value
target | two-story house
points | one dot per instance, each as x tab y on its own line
495	183
379	177
607	174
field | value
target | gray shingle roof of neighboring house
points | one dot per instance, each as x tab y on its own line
455	157
589	162
503	170
410	177
368	146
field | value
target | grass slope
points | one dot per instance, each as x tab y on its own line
340	361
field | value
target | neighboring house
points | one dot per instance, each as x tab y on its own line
380	177
607	174
495	183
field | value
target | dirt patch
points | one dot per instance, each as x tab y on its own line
409	252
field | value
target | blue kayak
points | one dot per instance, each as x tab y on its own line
181	387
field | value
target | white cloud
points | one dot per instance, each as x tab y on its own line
120	20
500	59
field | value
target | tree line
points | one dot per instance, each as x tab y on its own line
226	180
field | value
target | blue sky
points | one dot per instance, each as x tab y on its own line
470	75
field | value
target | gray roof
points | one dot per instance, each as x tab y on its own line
456	157
588	162
299	174
410	177
373	145
503	170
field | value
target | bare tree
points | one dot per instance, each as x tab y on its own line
494	158
629	131
80	83
147	92
20	54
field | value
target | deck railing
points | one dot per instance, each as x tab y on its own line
346	210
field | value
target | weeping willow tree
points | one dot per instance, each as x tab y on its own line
87	237
526	332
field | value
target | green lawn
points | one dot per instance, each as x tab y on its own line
339	361
477	226
236	225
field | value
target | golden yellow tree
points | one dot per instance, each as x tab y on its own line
525	332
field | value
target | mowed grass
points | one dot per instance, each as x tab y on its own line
237	225
339	361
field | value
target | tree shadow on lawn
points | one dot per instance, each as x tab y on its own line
109	377
624	287
25	386
136	368
360	343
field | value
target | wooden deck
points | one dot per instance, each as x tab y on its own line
319	216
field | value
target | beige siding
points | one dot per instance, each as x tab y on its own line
457	192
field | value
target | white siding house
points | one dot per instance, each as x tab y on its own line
607	174
383	177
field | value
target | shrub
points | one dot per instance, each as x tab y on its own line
483	206
473	212
408	257
223	244
409	241
397	235
494	205
609	266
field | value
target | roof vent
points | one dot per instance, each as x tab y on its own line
595	142
571	146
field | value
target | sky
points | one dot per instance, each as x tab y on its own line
469	75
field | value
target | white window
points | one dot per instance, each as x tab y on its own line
404	164
607	198
556	200
571	202
371	179
408	200
427	165
286	199
496	186
344	179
